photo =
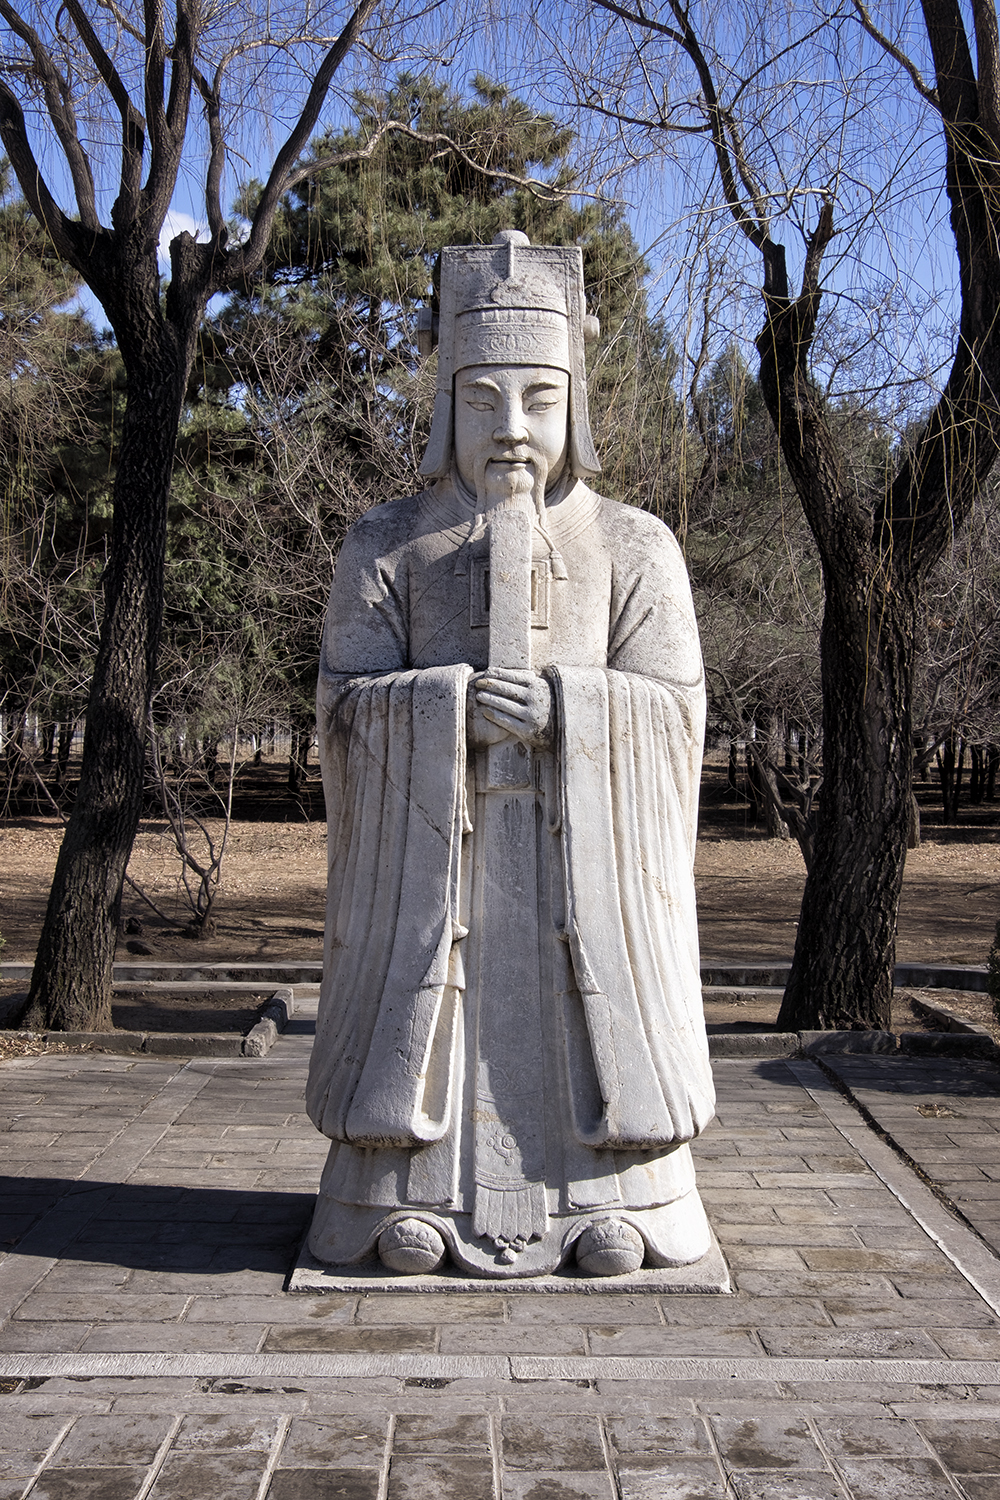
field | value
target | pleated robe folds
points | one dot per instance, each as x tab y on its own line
509	1083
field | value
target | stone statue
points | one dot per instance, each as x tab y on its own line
510	1058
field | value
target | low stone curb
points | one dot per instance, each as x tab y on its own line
515	1368
257	1043
964	1041
949	1020
273	1019
206	975
745	977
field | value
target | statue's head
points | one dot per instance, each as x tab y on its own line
511	384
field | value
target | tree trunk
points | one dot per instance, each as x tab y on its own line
913	827
977	773
298	756
210	758
841	975
754	792
71	982
777	746
950	761
731	782
66	732
12	765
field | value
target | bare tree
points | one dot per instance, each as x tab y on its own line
113	80
793	128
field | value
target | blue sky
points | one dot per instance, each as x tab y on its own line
835	112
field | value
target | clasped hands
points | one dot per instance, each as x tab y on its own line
503	703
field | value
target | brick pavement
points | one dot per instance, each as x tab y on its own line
944	1119
147	1348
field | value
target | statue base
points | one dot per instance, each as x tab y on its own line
705	1276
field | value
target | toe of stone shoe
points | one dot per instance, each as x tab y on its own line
609	1248
411	1246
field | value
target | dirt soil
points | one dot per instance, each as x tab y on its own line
271	904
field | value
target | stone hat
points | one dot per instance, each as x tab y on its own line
510	303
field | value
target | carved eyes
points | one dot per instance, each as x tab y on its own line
533	404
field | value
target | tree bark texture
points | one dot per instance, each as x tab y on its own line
841	976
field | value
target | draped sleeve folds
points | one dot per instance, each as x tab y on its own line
621	801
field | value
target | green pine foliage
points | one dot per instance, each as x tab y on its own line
354	254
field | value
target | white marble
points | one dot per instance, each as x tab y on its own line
510	1056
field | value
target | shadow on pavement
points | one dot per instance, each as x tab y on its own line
145	1226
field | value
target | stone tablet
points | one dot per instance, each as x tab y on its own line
510	1058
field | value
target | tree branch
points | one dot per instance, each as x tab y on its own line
133	125
251	254
936	487
167	141
216	157
448	147
753	225
14	135
59	104
156	56
122	21
897	55
957	93
644	124
235	273
988	67
815	247
186	33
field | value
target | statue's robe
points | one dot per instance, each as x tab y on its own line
510	1042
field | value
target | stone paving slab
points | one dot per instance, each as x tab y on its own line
601	1442
943	1116
148	1347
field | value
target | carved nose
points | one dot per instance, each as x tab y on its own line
510	431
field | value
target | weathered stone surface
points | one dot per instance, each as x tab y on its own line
754	1044
515	734
88	1484
815	1043
573	1443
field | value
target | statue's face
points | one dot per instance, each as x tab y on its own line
511	420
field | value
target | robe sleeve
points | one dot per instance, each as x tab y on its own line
392	746
631	739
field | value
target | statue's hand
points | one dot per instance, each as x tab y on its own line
517	703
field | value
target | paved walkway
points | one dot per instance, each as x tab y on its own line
152	1209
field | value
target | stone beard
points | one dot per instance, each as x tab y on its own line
510	1058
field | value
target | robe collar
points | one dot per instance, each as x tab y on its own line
569	509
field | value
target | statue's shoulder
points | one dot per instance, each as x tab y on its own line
632	525
385	527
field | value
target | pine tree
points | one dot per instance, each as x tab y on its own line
317	366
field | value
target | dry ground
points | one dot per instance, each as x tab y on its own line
271	905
